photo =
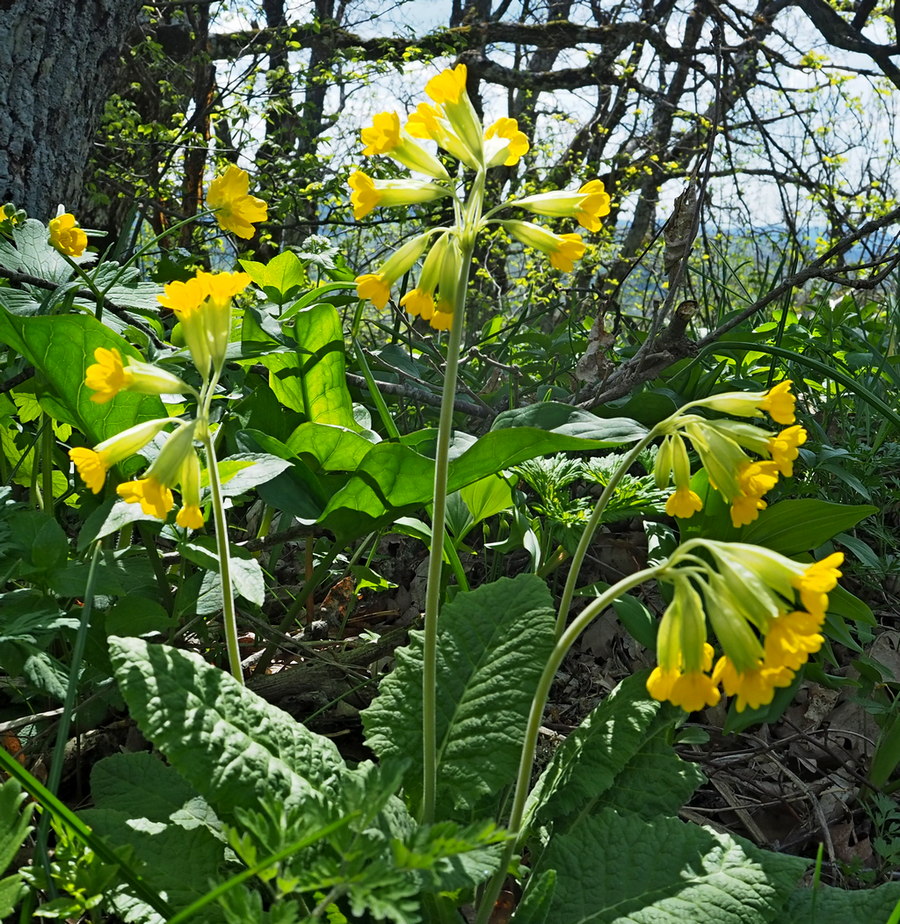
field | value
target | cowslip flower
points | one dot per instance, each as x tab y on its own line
154	491
234	208
66	236
202	305
448	90
723	447
368	194
109	375
93	464
750	597
563	249
376	287
504	143
428	123
588	205
190	516
384	136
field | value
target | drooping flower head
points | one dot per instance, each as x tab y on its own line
234	208
202	304
66	236
154	491
749	597
724	447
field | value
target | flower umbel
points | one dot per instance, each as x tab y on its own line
235	209
749	594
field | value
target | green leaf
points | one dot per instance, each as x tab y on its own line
828	905
569	421
622	869
232	746
795	526
61	347
277	277
620	754
246	571
15	825
312	380
486	497
394	477
243	472
492	644
336	449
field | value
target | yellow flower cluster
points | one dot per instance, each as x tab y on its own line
767	613
203	306
450	121
723	447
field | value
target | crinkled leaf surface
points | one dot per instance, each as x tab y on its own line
619	755
622	869
492	644
61	347
232	746
827	905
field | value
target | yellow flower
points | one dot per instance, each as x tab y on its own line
754	479
384	136
754	687
376	287
66	236
418	302
448	90
563	249
505	143
154	491
203	306
153	496
106	378
368	194
693	691
791	638
448	86
235	209
778	402
93	464
190	516
684	503
588	205
784	448
817	581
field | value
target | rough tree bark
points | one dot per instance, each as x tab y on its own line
57	62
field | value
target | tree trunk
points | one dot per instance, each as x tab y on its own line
57	62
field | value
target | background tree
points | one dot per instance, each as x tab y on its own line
57	63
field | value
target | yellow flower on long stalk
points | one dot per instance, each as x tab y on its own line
563	249
504	143
376	287
66	236
368	194
588	205
234	208
385	136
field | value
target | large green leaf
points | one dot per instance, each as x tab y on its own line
61	347
143	803
792	527
827	905
279	277
623	869
312	380
393	476
492	644
618	755
232	746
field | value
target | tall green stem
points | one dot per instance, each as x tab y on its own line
532	729
584	543
229	617
438	522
